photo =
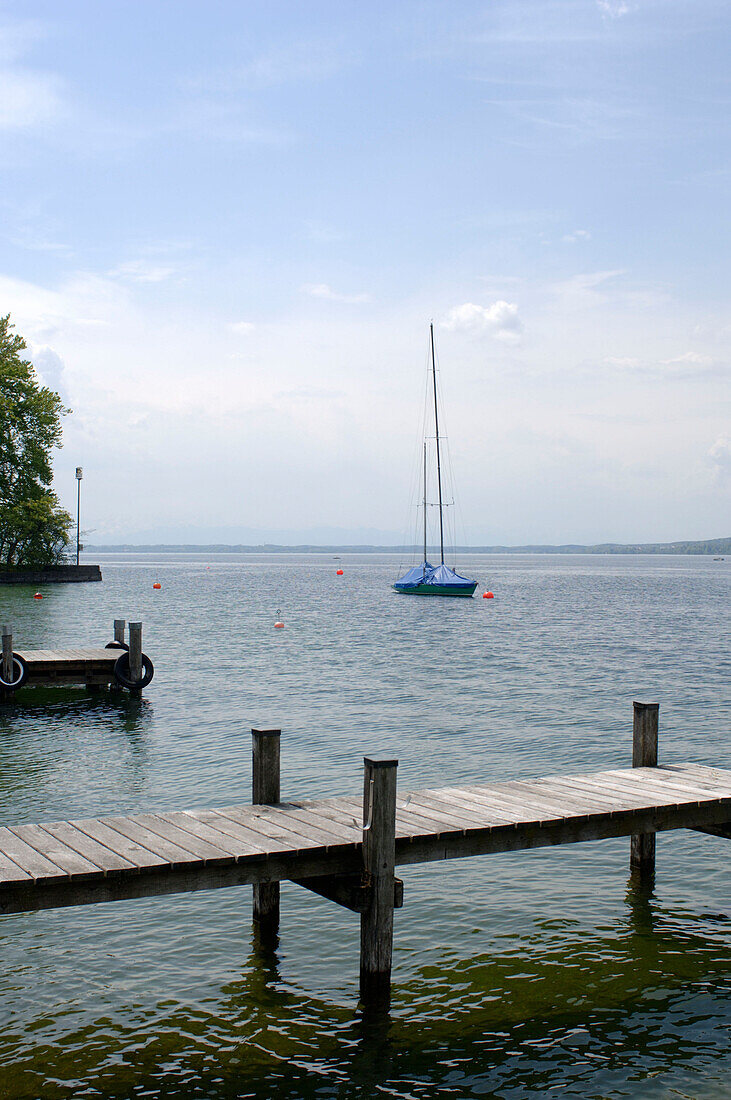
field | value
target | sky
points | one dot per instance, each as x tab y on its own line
226	226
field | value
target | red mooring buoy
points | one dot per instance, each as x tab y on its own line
37	596
157	585
279	625
339	572
488	596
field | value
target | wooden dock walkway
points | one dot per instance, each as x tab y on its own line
100	859
91	667
346	848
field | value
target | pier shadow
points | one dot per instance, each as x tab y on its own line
133	713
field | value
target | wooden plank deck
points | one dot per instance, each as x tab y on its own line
59	656
143	854
70	666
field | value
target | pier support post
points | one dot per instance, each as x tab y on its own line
119	625
135	652
644	755
379	860
264	792
7	664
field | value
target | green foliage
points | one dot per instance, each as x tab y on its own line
34	529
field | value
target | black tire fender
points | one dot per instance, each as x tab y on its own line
20	679
121	671
116	645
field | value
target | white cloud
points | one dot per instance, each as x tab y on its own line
582	291
613	8
298	63
323	233
50	367
577	235
229	120
143	271
689	365
690	359
719	458
242	328
622	362
322	290
500	320
27	99
81	303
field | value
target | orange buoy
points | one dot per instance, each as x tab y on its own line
279	625
157	585
339	572
38	596
488	596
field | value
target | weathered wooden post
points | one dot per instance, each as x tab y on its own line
135	653
644	755
119	629
8	670
379	860
264	792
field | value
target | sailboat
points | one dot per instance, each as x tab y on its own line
427	579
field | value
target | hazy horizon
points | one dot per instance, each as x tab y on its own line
328	539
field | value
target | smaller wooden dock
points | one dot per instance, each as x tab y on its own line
347	848
91	667
118	664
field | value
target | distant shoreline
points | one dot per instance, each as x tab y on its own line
708	548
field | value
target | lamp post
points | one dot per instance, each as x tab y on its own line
79	475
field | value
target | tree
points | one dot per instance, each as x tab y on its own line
34	528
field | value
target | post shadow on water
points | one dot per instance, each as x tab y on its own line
365	1034
639	898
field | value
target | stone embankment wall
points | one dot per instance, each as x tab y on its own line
52	574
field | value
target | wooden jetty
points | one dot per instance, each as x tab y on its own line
94	668
347	848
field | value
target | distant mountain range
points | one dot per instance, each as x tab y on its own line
717	547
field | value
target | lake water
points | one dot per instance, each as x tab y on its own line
521	975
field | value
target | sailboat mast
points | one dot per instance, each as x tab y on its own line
425	501
436	426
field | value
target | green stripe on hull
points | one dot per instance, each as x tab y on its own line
435	590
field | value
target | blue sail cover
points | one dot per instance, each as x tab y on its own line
440	576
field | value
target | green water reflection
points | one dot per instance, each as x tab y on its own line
637	1011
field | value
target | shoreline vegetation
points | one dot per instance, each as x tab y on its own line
708	547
